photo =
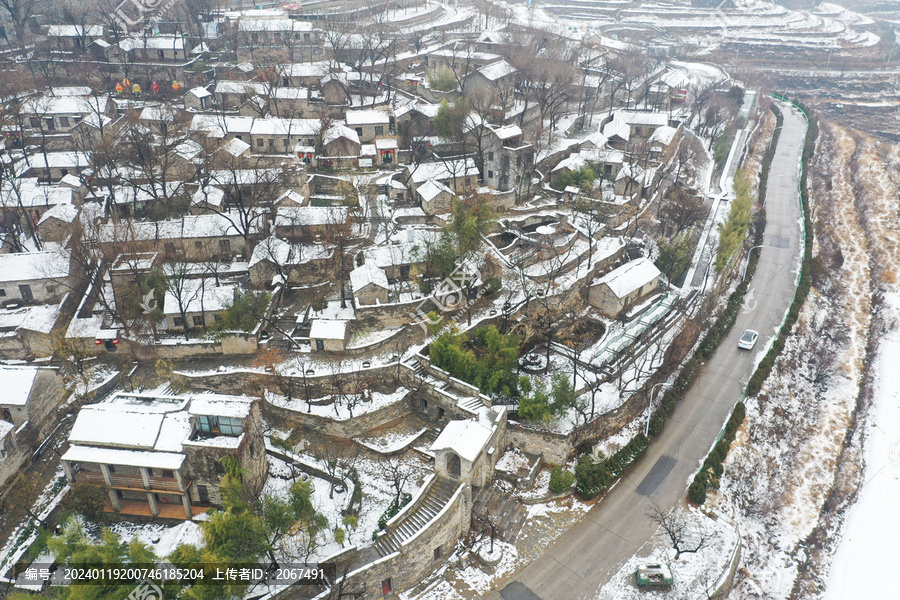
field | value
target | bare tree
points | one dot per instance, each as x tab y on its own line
398	475
685	539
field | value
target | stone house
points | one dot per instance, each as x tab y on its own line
192	238
58	223
508	159
68	38
193	304
152	49
306	223
624	287
198	98
368	124
34	277
341	141
328	335
275	260
161	456
30	395
60	113
369	285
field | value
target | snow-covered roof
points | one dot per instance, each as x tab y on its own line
70	181
664	135
506	132
227	86
40	318
281	252
252	25
75	31
328	329
102	425
388	143
132	458
57	160
367	117
210	195
388	255
236	147
32	194
314	69
465	438
28	266
188	227
279	126
64	212
444	170
289	216
630	277
340	131
237	407
200	92
17	384
161	42
497	70
5	428
431	189
199	295
365	274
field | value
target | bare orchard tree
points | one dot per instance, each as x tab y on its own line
398	475
685	539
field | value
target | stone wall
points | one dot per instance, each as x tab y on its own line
358	426
256	383
554	448
229	345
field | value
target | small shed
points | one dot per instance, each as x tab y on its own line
327	335
624	287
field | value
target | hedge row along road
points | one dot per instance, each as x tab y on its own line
591	552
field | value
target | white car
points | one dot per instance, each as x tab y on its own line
748	339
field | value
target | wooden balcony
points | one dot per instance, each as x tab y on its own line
131	482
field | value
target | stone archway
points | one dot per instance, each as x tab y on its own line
454	468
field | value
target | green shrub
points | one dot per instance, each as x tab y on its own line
561	480
392	510
442	80
697	492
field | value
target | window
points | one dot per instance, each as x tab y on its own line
199	321
358	131
35	122
437	553
225	245
386	586
2	293
305	37
220	470
63	121
161	54
220	425
51	126
379	130
149	472
198	244
490	156
169	247
271	143
260	143
490	174
320	345
112	469
179	322
168	473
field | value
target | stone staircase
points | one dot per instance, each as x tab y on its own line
508	513
436	497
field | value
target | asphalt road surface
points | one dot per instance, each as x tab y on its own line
591	552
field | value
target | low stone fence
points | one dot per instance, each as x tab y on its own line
555	448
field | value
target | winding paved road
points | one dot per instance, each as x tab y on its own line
591	552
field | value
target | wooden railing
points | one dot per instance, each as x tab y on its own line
157	484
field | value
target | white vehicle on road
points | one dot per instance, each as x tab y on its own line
748	339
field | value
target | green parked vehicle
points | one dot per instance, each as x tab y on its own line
654	575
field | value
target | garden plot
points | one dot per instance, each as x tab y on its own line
353	405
